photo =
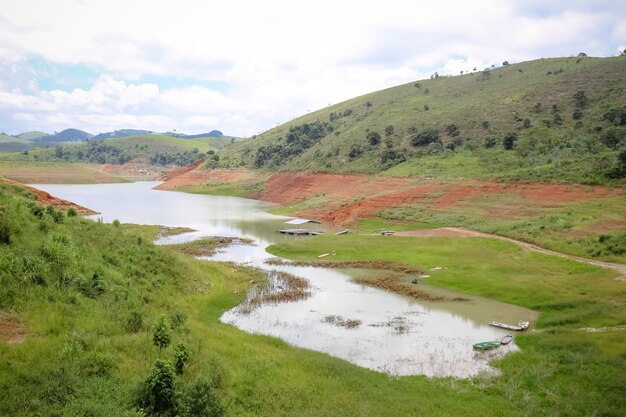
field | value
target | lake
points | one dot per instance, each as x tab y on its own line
396	334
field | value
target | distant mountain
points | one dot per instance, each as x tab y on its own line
211	134
67	135
123	133
32	135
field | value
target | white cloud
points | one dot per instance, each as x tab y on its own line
279	58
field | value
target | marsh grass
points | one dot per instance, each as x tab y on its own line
208	246
396	283
341	322
279	287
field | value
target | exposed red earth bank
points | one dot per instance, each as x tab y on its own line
343	199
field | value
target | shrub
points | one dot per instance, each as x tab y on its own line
157	394
5	227
181	355
134	323
453	130
509	140
200	399
161	334
355	151
178	319
581	98
389	130
116	223
425	137
577	115
71	212
490	142
98	364
373	138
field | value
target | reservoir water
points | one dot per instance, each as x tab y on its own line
396	334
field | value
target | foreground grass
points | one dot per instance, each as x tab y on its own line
561	370
87	344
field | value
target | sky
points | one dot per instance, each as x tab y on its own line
244	66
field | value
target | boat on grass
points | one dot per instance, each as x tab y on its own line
522	325
493	343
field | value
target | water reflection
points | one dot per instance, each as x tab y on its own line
395	334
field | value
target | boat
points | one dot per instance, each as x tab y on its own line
522	325
493	344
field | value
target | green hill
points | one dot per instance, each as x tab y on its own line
560	119
156	149
34	134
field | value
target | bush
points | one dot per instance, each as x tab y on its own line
509	140
5	227
373	138
116	223
200	399
157	394
490	142
161	334
389	130
181	355
425	137
355	152
71	212
134	323
581	98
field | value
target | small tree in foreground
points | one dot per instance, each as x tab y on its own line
161	334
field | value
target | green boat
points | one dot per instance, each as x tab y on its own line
493	344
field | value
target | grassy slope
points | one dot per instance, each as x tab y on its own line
79	356
55	172
503	99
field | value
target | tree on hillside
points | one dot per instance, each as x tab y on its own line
509	140
373	138
581	98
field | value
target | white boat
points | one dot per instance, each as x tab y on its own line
522	325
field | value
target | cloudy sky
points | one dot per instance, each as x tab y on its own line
243	66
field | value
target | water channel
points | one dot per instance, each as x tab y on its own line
396	335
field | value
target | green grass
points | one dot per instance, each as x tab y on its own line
487	267
590	228
84	354
480	107
560	370
227	189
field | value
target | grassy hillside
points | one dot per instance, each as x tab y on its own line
78	316
156	149
561	119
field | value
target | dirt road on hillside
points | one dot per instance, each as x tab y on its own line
459	232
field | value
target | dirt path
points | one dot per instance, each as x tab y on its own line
459	232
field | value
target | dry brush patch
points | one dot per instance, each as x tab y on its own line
375	264
394	282
208	246
281	287
11	327
342	322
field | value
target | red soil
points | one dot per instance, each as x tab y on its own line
11	329
346	198
49	200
